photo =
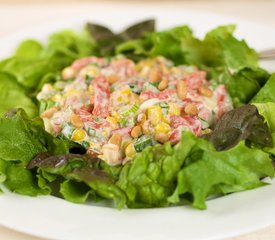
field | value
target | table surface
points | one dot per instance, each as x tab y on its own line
35	12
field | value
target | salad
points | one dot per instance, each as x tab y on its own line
116	108
143	118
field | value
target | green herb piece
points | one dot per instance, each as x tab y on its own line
143	142
149	87
130	110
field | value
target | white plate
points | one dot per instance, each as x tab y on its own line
55	218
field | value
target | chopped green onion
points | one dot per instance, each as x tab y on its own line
142	143
132	110
123	122
150	87
44	105
134	88
88	79
85	144
92	132
164	107
67	130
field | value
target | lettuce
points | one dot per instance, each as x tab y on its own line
212	173
21	139
149	179
79	168
266	93
13	96
161	175
264	100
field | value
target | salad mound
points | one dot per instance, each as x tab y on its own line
144	118
115	108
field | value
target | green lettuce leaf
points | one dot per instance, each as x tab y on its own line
266	94
21	180
160	175
70	45
29	49
84	170
33	63
242	85
3	175
74	191
212	173
21	139
13	96
264	100
168	43
236	54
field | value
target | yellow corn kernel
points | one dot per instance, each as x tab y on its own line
105	133
126	91
92	144
174	109
162	128
112	120
144	63
166	119
130	151
78	135
72	92
116	115
57	98
91	89
90	70
124	144
126	100
154	114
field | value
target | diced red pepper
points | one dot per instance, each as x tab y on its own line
175	135
122	67
193	123
102	97
166	94
126	131
82	62
90	120
224	104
